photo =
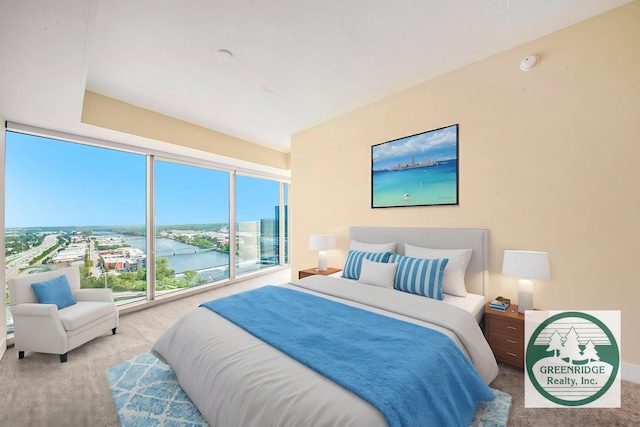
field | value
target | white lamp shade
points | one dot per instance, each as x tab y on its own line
322	242
526	265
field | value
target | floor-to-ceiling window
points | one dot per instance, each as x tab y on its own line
257	225
70	203
192	225
73	204
285	222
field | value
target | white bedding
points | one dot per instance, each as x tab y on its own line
473	303
235	379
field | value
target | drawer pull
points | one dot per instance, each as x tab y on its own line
512	354
512	341
511	327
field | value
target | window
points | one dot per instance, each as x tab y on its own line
69	203
192	226
257	227
72	204
285	191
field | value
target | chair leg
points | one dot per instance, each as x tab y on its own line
21	355
113	331
63	357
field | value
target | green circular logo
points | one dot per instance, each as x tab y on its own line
572	358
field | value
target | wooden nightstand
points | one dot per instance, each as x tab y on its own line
505	333
312	271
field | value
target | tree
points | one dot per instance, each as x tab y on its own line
555	343
571	347
190	275
162	269
165	276
590	353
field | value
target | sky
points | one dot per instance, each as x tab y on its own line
55	183
439	144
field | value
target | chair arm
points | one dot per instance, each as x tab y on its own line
93	294
37	327
35	309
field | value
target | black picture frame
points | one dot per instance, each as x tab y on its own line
416	170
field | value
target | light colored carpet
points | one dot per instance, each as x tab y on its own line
511	380
40	391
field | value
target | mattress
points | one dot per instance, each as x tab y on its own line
473	303
236	379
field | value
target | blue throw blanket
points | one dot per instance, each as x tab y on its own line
415	376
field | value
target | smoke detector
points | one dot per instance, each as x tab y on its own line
529	62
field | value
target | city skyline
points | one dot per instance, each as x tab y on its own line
53	183
437	145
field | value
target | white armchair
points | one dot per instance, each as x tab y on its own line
43	328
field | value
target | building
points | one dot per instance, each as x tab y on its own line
72	253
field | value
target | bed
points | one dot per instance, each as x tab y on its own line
239	369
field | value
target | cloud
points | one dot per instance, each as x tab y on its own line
411	145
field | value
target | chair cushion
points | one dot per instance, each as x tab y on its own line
54	291
83	313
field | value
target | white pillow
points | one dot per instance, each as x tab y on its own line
381	274
453	280
372	247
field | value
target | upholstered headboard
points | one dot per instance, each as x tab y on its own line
477	276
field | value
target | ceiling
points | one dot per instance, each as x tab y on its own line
296	63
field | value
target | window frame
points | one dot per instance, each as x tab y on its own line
151	156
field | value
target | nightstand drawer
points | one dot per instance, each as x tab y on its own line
503	325
505	340
508	355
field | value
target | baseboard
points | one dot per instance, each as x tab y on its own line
631	373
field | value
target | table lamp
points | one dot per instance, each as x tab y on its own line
527	265
322	243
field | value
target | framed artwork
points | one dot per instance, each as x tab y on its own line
417	170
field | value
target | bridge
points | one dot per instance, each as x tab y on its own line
163	253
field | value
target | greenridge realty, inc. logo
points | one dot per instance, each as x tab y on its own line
572	359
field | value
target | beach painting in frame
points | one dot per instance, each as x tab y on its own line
417	170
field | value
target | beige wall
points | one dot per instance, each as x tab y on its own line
110	113
549	160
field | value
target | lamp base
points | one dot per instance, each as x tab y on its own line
322	261
525	295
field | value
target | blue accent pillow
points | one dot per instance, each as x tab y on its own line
420	276
353	265
54	291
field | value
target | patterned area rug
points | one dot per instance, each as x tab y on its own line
146	393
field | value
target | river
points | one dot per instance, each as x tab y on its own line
181	263
198	260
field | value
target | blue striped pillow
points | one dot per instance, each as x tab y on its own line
420	276
353	265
